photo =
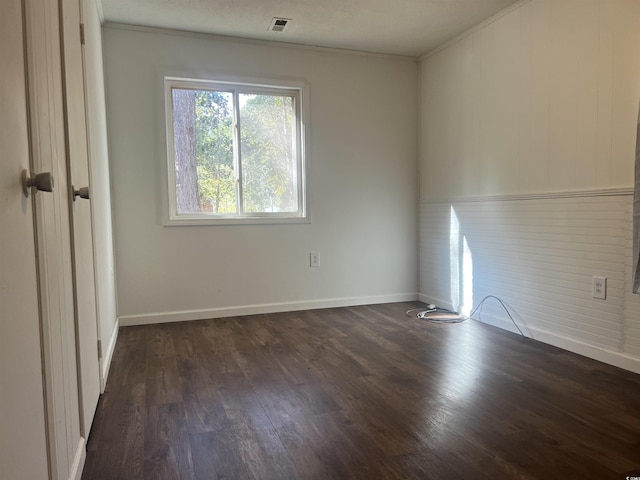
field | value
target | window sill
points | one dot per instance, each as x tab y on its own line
187	221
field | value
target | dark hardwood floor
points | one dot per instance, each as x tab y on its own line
358	393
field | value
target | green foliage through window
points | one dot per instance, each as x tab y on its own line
236	151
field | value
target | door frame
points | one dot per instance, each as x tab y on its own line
77	162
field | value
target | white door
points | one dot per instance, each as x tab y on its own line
23	447
82	239
53	239
100	184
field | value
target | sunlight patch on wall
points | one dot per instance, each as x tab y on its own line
454	259
460	267
467	278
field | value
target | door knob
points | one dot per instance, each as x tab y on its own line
82	192
39	182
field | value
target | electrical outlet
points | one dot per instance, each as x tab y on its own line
599	287
314	259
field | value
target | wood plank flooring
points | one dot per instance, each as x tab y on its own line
358	393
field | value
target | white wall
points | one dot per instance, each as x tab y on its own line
100	185
528	137
362	182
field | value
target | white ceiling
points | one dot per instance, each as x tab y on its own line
401	27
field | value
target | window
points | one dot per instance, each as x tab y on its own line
235	152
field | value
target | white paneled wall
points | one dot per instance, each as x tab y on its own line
631	301
527	136
539	255
543	99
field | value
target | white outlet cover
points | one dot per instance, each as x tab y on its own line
599	288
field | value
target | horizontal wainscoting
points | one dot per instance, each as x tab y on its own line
631	301
538	255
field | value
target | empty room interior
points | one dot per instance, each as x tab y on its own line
337	240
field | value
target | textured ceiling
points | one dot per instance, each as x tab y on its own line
401	27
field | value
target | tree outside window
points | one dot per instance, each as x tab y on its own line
235	151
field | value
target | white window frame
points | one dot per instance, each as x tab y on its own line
298	90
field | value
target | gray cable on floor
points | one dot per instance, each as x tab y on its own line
424	313
503	306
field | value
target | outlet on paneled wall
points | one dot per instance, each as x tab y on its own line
599	287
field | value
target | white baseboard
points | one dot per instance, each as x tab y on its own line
610	357
186	315
108	355
436	301
617	359
75	473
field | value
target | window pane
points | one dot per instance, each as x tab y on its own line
203	140
267	152
235	156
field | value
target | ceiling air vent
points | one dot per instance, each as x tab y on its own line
279	24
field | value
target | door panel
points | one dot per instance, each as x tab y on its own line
52	231
82	239
22	420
